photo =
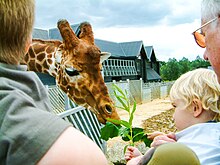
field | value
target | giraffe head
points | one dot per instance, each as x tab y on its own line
80	75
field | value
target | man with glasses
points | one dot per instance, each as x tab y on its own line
208	35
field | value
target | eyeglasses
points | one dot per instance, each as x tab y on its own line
199	37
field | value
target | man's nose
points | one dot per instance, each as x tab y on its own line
205	56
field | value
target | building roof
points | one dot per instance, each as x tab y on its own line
152	74
51	33
40	34
112	47
123	49
132	48
150	53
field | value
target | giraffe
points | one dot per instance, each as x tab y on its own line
76	65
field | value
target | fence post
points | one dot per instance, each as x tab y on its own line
141	87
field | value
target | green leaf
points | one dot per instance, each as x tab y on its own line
119	90
109	131
125	123
113	121
137	134
122	103
126	93
146	141
121	107
132	113
122	131
121	122
125	136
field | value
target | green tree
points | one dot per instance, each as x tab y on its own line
171	70
199	63
185	65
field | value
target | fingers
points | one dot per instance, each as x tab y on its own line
171	135
131	152
128	157
131	148
162	139
151	136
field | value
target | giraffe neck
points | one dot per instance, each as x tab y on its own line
44	57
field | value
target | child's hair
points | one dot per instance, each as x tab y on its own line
199	84
16	21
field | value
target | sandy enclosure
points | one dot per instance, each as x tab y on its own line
147	110
152	116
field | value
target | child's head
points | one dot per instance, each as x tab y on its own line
16	20
195	96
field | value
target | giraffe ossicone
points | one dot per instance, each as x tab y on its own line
75	62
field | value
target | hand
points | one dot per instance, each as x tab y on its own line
151	136
162	139
132	152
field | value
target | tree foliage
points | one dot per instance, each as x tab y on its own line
173	69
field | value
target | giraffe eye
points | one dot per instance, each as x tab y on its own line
72	71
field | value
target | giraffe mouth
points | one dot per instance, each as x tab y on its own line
72	71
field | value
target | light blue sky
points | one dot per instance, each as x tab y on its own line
165	24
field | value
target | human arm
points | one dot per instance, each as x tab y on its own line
73	148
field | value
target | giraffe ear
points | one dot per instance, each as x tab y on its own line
86	32
104	56
69	38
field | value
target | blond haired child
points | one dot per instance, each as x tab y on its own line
195	97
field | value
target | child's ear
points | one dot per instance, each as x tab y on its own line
197	107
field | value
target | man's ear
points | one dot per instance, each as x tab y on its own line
197	107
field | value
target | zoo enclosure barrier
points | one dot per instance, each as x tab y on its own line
141	92
85	121
81	118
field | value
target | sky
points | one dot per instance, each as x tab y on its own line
167	25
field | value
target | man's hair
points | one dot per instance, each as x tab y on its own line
201	84
210	9
16	21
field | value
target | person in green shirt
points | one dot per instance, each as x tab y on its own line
29	132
